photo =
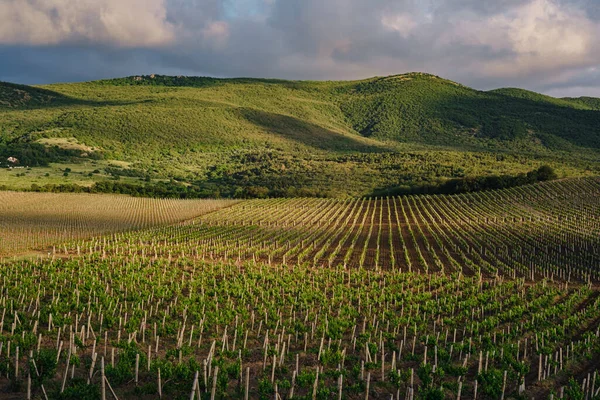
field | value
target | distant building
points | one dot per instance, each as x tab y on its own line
12	160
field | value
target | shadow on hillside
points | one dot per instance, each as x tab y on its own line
14	96
308	134
433	111
551	123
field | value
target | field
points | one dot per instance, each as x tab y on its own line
485	295
548	231
83	173
34	221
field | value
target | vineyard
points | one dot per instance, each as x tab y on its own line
33	221
550	230
490	295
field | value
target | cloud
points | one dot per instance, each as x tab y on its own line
216	34
402	23
533	38
545	45
125	23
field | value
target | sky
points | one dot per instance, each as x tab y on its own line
549	46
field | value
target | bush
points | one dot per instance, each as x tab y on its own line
491	382
78	389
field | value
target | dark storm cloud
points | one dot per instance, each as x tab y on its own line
71	63
547	45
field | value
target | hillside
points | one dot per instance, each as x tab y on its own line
591	102
255	137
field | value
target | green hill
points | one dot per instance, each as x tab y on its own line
17	96
592	103
254	137
425	108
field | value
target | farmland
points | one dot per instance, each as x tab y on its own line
483	295
33	221
549	230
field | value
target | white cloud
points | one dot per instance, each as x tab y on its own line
541	35
402	23
545	28
124	23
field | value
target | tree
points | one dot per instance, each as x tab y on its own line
546	173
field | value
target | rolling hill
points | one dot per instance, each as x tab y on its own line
258	137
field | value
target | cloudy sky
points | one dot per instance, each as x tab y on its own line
544	45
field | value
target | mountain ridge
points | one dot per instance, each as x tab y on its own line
328	137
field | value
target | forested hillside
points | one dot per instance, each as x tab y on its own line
256	137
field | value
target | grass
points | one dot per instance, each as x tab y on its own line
318	138
66	143
54	174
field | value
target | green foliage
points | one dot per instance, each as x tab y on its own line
306	379
573	391
591	102
257	138
504	128
13	96
147	389
331	357
426	108
545	173
78	389
491	382
432	394
475	183
265	388
124	369
46	363
34	154
425	374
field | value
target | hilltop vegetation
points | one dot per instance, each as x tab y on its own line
422	108
257	137
591	102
